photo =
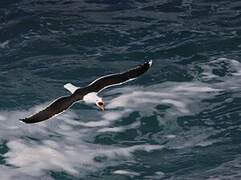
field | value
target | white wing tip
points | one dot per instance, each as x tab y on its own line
150	63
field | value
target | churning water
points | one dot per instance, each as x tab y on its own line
180	120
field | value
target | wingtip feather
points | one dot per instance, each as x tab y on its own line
26	121
23	120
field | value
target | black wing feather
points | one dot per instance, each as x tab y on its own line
56	107
113	79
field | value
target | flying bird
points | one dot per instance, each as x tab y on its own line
88	94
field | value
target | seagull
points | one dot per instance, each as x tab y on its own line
89	93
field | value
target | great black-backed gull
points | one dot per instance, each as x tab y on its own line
88	94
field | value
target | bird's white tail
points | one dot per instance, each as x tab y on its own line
70	87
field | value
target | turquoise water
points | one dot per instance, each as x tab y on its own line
180	120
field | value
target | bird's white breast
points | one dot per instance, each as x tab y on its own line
90	97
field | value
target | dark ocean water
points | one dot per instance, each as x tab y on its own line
181	120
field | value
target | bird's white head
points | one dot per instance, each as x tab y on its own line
94	98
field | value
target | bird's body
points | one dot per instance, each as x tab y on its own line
88	94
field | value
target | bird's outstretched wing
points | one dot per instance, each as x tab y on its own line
119	78
63	103
58	106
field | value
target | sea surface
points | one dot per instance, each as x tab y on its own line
179	121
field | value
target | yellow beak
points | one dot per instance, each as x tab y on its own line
102	108
101	105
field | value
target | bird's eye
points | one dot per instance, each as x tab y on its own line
101	103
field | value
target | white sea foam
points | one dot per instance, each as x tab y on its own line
33	158
2	118
66	151
96	123
107	118
170	136
4	44
181	96
234	68
120	129
126	173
